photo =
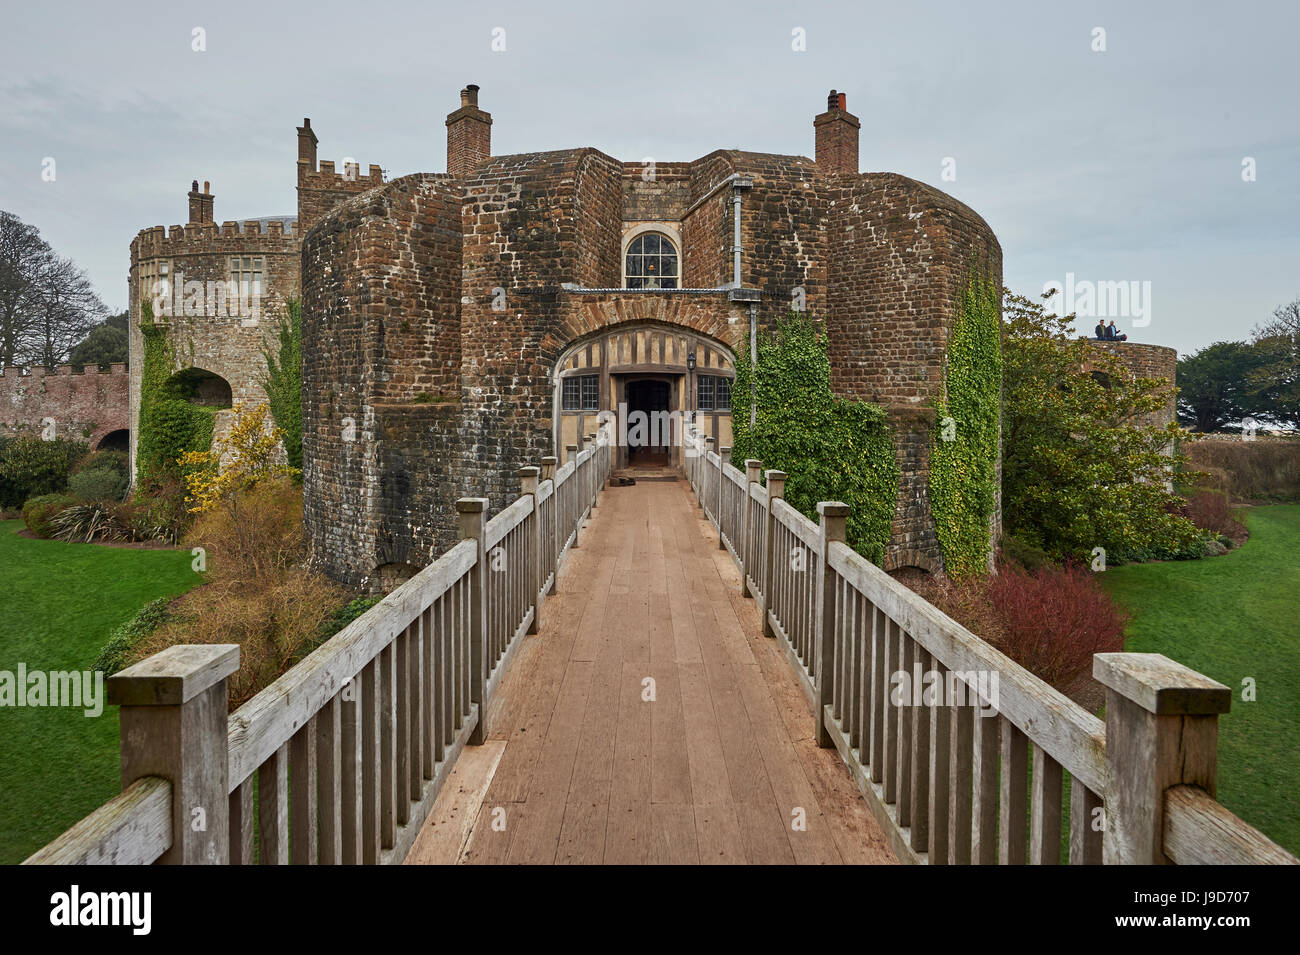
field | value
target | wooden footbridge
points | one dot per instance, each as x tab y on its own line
682	671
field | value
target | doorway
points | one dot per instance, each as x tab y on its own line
649	424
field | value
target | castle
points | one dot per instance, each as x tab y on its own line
460	325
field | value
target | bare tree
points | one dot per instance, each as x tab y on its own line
67	308
24	256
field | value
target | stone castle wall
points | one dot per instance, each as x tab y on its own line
83	405
1147	361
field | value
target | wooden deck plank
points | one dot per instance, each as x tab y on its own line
587	771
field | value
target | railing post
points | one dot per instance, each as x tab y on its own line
775	492
528	478
548	474
173	719
571	451
703	489
1162	730
595	468
753	468
473	526
834	520
723	455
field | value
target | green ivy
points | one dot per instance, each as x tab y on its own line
169	424
283	382
964	456
831	448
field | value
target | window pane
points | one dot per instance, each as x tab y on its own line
705	393
590	392
634	265
668	263
571	394
651	243
724	394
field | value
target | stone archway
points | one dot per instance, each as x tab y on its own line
202	387
605	375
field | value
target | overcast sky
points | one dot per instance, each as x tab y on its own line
1120	165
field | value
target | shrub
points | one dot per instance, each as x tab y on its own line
272	619
98	484
31	467
262	538
97	460
1054	619
1025	552
39	512
95	521
1264	469
120	648
159	511
340	618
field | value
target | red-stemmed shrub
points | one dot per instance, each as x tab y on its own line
1208	510
1052	621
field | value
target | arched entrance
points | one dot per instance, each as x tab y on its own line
650	424
199	386
647	372
118	440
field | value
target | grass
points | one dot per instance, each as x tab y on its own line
1235	617
61	603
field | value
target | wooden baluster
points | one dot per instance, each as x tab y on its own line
432	695
889	739
1045	813
748	548
879	643
415	712
388	745
1085	837
242	851
775	492
273	808
402	691
550	532
906	715
724	455
329	797
1013	803
350	704
984	838
832	517
940	757
920	836
864	616
473	523
302	812
371	817
960	772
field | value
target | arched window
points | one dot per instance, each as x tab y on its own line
651	262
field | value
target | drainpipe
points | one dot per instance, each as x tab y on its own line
753	365
735	247
737	184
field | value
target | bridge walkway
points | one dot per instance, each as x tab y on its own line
649	721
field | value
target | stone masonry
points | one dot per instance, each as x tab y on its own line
437	306
64	402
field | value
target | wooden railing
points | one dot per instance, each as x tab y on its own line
962	754
341	758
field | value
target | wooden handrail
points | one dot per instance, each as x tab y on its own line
132	828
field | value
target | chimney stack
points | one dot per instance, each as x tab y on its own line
200	203
837	137
307	145
469	135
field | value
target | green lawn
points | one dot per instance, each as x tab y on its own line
1234	617
61	601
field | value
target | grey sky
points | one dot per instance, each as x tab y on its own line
1119	165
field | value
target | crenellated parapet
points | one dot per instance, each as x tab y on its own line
64	401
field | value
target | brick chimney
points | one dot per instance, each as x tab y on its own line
307	145
837	137
469	135
200	203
